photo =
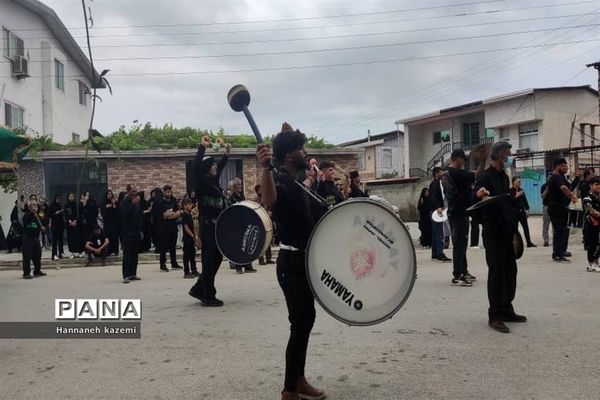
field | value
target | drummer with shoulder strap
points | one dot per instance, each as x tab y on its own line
295	217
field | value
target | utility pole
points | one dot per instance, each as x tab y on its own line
596	66
400	172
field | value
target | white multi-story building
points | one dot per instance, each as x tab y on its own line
45	77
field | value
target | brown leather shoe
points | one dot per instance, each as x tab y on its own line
514	318
307	391
285	395
498	326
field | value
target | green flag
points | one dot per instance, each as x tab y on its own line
12	146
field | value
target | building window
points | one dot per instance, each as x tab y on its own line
470	135
75	138
12	44
63	177
387	158
13	116
441	136
504	135
83	93
59	73
528	136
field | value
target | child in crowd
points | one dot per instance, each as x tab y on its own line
591	205
189	240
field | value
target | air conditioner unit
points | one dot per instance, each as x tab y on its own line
20	67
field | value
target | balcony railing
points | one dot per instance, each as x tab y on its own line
443	155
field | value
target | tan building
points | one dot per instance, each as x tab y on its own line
531	120
382	156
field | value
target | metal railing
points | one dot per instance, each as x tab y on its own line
441	156
417	172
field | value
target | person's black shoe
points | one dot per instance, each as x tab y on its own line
196	295
471	277
39	273
444	258
135	278
125	280
531	245
212	303
239	270
498	326
176	266
567	254
163	268
250	270
27	276
546	244
195	273
270	261
514	318
560	259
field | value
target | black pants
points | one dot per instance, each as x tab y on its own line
522	217
57	241
560	231
168	243
102	254
460	236
32	252
131	248
502	277
474	232
301	313
189	256
591	240
211	261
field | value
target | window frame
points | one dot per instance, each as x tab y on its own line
11	51
526	132
59	76
83	91
385	157
9	108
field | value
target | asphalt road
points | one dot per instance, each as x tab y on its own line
437	347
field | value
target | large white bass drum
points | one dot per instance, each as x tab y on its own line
360	262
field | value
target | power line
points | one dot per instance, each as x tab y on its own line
395	11
330	49
381	33
304	67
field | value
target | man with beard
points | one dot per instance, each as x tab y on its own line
211	202
295	218
168	229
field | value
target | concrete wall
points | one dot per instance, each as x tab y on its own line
7	202
47	109
404	196
509	112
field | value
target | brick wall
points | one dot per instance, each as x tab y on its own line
147	173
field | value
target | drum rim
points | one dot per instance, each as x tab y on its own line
268	232
412	280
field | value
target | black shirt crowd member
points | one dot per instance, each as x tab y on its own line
211	202
32	250
295	219
168	229
327	188
355	190
499	227
521	207
56	213
110	216
72	220
97	244
558	197
189	240
131	233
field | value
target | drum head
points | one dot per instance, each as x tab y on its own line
240	234
361	262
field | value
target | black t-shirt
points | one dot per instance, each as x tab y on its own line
520	203
187	220
168	205
31	225
295	213
356	192
131	219
556	198
499	223
460	196
584	188
330	193
97	239
57	219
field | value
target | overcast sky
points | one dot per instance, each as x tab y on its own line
385	76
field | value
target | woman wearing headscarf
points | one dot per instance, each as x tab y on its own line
74	238
146	208
110	217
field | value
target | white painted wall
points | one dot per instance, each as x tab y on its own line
47	109
520	109
7	202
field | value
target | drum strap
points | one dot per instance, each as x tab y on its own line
287	247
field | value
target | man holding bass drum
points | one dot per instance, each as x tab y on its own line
295	218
